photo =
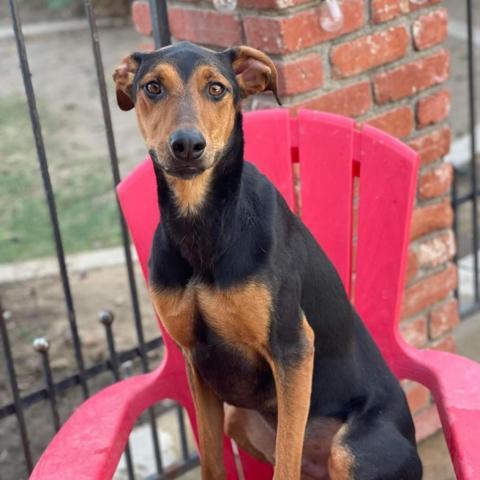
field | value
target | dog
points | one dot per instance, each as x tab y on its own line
276	355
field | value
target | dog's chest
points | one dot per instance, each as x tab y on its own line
224	332
239	315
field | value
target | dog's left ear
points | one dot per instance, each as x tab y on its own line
255	71
123	77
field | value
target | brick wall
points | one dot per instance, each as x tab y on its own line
386	67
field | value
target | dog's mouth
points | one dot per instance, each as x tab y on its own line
184	172
174	169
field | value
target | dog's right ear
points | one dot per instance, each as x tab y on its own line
123	76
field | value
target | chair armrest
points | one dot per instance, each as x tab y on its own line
455	384
89	445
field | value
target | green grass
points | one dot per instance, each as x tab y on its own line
82	185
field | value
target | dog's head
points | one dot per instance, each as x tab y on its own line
186	99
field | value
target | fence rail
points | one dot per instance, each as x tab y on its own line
116	359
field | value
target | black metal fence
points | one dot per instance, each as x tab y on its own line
84	375
466	192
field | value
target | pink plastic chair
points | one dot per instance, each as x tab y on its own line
331	151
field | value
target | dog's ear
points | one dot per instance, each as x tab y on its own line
123	77
255	71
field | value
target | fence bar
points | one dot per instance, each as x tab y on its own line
97	53
42	159
473	143
183	433
41	345
160	26
177	470
106	317
12	376
455	221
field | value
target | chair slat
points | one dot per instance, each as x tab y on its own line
137	195
268	146
387	190
326	159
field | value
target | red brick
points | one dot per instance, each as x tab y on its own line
434	183
427	422
430	29
437	250
352	101
428	218
206	27
415	331
269	4
412	266
300	30
398	122
446	344
412	7
384	10
434	108
418	397
433	146
301	75
412	77
429	290
369	51
141	17
444	318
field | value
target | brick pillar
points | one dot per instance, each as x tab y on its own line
386	67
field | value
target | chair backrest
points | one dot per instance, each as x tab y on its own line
371	232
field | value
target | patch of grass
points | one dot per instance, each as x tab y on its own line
83	190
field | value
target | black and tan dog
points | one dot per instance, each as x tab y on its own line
275	352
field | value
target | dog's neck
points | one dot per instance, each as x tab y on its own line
199	215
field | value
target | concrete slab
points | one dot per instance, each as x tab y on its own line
467	337
436	459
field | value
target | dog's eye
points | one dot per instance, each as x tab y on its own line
216	89
153	88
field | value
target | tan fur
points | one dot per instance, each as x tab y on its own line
123	77
341	460
209	410
293	387
215	119
240	315
176	309
158	120
255	71
190	194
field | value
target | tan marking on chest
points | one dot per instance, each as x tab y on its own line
176	310
240	315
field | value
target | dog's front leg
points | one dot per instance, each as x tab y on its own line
293	385
209	412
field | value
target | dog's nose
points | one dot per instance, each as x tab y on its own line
187	145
